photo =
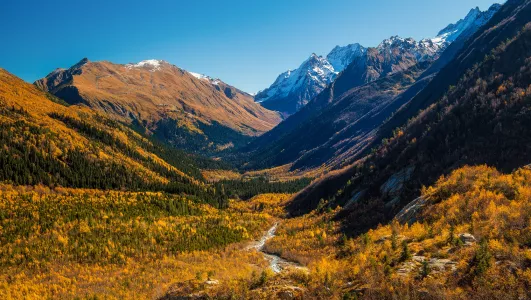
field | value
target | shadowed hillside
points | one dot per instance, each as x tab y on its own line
482	119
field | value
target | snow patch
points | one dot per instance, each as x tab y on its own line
151	64
341	57
198	76
205	78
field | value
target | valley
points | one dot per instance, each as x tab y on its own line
394	171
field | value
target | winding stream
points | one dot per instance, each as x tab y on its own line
276	263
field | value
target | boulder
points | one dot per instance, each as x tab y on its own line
467	239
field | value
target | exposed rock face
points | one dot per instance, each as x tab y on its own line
409	214
341	57
469	25
355	198
396	182
293	89
435	265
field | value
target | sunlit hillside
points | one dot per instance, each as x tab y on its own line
47	142
187	110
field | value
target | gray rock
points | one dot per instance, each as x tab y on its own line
212	282
409	214
396	182
436	265
290	292
418	258
441	265
467	239
355	198
406	268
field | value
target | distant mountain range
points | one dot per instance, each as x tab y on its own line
188	110
295	88
336	126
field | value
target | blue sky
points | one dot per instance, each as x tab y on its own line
245	43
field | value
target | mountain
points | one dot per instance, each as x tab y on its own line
294	89
474	111
299	86
47	142
188	110
330	131
393	55
339	125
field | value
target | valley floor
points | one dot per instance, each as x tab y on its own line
466	237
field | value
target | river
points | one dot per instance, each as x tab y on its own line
276	263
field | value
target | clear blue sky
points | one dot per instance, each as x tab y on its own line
246	43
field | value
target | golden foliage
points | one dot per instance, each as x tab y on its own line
218	175
64	243
55	137
428	258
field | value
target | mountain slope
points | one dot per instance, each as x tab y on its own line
185	109
341	57
469	25
336	128
484	118
46	142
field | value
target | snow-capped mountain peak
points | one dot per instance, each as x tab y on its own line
393	41
467	26
341	57
302	84
423	50
314	72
